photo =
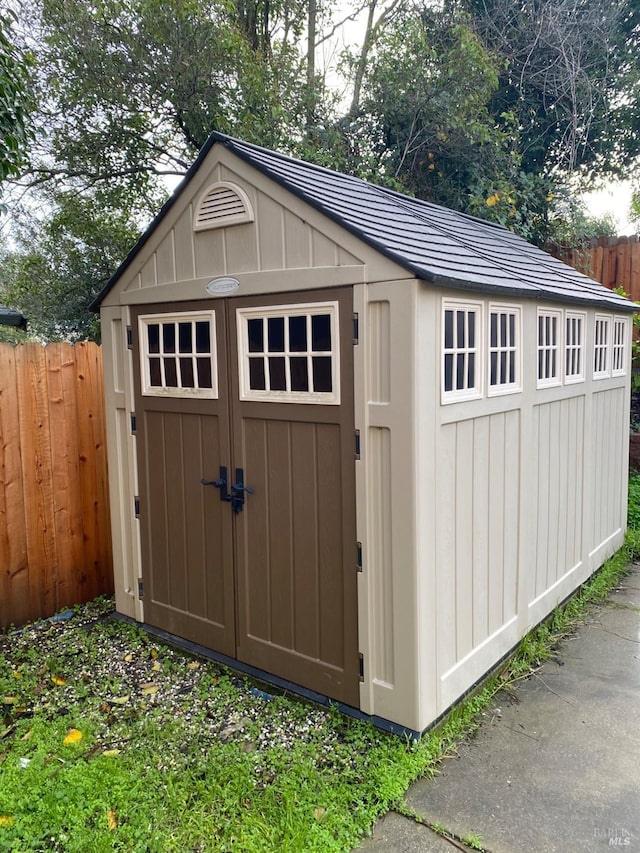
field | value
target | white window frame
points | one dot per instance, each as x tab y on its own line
475	391
575	351
149	390
510	348
602	351
324	398
619	346
544	347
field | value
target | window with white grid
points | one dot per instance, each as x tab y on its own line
575	324
461	364
290	353
601	367
618	349
549	348
178	354
504	349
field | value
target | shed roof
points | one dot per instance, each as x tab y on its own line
436	244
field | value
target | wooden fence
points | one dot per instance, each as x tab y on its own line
614	261
55	545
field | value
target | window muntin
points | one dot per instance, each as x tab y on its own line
290	353
575	326
178	354
601	367
549	348
618	348
461	351
504	349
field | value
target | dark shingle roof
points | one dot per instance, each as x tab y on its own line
439	245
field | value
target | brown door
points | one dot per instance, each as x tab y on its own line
186	531
270	578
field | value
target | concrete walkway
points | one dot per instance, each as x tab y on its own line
556	765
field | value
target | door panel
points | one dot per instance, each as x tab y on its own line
295	539
186	530
273	585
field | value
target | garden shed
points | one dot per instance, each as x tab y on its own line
358	443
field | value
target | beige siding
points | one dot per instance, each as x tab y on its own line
121	458
286	236
559	453
609	418
385	378
528	498
478	512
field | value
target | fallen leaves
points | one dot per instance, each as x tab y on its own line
149	689
112	820
58	680
72	736
6	820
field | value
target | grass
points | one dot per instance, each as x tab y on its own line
111	741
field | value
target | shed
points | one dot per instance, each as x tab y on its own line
358	443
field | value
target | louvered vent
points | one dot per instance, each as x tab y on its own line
220	205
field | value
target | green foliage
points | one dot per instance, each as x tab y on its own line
59	267
15	100
568	72
435	136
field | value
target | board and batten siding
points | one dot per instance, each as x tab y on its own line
478	517
177	261
529	502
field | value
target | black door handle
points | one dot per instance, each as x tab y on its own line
219	484
239	489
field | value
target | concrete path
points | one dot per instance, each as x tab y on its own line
556	765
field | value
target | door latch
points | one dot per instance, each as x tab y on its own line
239	489
221	484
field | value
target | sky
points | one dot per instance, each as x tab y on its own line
614	199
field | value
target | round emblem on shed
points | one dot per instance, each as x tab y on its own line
223	284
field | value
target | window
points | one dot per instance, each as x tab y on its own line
504	349
618	348
575	324
461	365
289	353
177	354
548	348
601	348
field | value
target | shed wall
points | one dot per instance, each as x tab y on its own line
528	498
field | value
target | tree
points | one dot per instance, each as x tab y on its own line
426	99
15	100
569	73
60	265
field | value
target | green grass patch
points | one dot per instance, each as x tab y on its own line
111	741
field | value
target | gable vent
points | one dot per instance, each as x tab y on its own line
220	205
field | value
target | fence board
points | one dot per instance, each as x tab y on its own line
613	261
35	445
66	477
14	576
55	547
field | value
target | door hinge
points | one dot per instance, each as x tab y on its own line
129	338
356	436
361	666
356	329
140	588
136	506
359	556
133	423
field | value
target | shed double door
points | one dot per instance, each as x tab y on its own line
265	573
